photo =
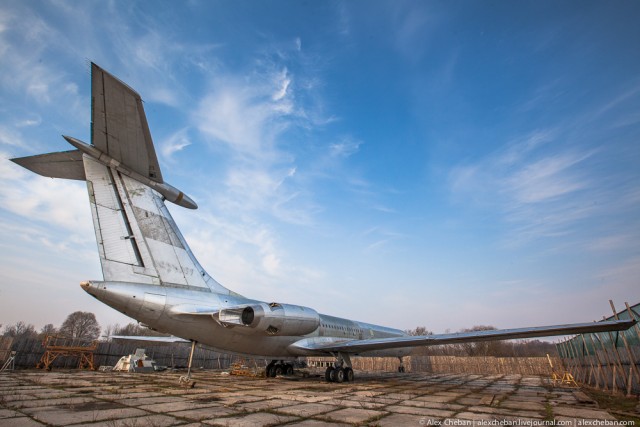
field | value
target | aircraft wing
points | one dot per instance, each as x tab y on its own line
360	346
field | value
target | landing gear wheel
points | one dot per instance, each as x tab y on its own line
348	374
270	371
277	370
401	369
337	376
328	374
288	369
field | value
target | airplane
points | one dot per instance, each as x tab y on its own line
151	275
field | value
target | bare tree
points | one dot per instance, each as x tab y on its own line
508	348
134	329
483	348
20	330
419	331
81	325
48	329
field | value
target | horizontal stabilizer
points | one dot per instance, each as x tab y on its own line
171	339
63	164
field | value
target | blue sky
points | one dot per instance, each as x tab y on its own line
407	163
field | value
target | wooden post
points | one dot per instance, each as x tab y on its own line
610	364
581	357
632	316
593	371
603	376
572	357
578	375
632	365
617	357
576	359
567	362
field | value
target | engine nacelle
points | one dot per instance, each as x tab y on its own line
272	319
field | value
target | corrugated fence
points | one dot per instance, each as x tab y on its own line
606	360
29	352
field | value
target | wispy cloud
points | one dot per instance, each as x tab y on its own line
248	113
38	198
541	187
175	143
9	136
411	25
253	115
244	255
346	147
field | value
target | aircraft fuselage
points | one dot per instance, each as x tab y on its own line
178	310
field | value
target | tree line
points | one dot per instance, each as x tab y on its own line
79	326
511	348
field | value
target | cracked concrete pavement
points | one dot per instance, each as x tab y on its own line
85	398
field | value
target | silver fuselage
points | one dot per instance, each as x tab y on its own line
161	308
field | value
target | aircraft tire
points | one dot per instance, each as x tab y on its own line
269	371
277	370
348	374
328	374
288	369
338	375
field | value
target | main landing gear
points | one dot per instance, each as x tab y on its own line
341	370
278	367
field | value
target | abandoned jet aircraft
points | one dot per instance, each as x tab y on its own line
151	275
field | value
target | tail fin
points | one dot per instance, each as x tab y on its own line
138	240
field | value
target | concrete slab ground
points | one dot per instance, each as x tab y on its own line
108	399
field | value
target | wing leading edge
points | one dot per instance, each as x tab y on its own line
360	346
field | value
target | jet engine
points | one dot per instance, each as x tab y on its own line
271	319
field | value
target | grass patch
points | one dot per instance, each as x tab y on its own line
623	408
548	412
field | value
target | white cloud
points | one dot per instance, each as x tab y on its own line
541	189
176	142
613	242
243	255
60	202
345	148
35	121
548	178
248	115
9	136
282	80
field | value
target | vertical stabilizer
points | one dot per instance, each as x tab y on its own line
138	240
119	125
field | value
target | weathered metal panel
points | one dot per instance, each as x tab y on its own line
153	305
119	126
110	224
